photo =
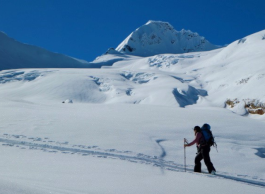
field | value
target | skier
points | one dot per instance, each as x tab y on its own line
203	151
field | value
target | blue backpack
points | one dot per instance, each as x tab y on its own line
207	134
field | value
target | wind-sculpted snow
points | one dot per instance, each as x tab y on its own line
260	152
103	83
183	80
188	97
11	76
163	61
167	62
140	78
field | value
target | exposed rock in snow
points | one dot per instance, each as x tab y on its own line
112	51
68	101
246	106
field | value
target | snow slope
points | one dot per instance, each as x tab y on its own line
53	147
14	54
209	78
156	37
120	128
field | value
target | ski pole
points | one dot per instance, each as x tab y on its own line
184	155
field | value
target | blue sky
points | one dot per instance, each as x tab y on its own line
86	28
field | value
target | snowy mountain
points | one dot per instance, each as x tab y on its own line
156	37
230	77
14	54
221	77
120	128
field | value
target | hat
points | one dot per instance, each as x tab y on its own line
197	128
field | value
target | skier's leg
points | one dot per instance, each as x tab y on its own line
206	156
198	158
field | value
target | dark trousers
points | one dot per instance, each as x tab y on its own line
203	153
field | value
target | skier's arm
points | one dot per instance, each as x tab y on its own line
196	140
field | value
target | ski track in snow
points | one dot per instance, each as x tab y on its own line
46	145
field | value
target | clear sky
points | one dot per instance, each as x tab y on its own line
85	29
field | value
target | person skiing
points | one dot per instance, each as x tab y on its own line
203	151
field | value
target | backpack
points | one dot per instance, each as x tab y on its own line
207	134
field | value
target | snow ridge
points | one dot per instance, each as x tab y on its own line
14	54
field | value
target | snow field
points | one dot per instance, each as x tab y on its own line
130	148
73	174
134	132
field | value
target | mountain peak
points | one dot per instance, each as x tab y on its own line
157	37
160	24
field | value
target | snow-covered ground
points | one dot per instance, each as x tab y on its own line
120	128
111	140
